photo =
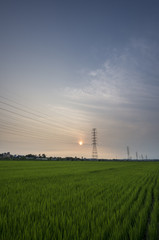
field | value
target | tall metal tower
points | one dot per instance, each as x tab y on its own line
136	155
128	152
94	143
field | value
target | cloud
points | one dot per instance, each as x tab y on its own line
121	97
127	80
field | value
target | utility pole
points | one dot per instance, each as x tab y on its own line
136	155
94	144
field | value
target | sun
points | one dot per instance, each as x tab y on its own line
80	143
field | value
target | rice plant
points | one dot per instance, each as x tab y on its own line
79	200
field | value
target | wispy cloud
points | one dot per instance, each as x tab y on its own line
121	96
126	79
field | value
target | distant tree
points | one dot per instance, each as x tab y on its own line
43	155
31	156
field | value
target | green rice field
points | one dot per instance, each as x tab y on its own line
79	200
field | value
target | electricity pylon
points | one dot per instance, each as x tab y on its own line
128	152
94	144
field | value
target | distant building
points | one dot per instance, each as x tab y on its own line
6	155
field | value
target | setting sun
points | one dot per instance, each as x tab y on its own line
80	143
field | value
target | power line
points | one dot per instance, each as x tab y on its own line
29	133
12	127
10	105
20	104
13	132
55	125
30	118
3	126
21	134
31	129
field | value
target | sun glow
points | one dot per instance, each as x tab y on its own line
80	143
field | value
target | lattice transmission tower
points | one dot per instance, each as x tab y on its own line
94	144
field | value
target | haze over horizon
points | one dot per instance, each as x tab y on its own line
69	66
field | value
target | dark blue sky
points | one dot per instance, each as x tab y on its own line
96	61
75	29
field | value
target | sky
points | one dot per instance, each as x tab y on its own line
69	66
